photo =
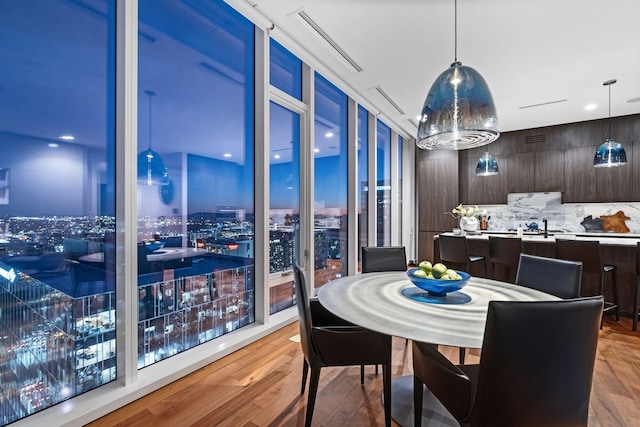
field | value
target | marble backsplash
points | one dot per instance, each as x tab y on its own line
524	208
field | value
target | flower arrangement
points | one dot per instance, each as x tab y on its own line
461	211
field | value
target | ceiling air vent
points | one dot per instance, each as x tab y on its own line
535	139
323	34
413	122
387	98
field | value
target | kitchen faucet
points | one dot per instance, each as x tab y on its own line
545	227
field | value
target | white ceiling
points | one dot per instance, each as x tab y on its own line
529	52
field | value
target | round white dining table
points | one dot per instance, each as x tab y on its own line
376	301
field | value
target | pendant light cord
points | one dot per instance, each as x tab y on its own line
455	25
150	94
609	111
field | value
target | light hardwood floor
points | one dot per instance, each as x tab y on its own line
259	385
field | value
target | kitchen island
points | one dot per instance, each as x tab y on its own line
617	249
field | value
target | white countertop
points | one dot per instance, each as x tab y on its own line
613	239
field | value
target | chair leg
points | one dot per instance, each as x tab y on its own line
636	307
305	372
386	385
614	288
313	392
601	291
417	402
461	357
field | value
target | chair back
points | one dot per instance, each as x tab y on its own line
505	251
388	258
537	363
586	251
554	276
453	249
304	312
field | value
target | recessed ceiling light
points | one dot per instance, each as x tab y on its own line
316	150
53	145
590	107
227	154
66	137
328	134
276	156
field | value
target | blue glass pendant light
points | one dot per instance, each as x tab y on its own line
610	153
151	168
487	165
458	112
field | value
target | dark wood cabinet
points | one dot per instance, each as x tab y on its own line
615	184
483	189
437	174
549	171
521	173
579	175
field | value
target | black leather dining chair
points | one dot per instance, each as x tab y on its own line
327	340
557	277
536	367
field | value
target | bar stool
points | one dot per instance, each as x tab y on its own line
505	253
637	296
589	253
453	249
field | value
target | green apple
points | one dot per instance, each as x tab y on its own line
425	266
420	273
438	270
451	273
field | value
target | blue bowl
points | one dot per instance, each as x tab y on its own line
438	287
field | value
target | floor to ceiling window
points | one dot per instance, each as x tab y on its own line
362	201
57	170
194	213
195	175
284	205
330	182
383	184
285	74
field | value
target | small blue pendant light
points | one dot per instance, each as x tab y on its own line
487	165
458	112
151	168
610	153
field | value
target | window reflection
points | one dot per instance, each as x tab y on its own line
196	227
57	322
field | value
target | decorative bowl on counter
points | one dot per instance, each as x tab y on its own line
438	287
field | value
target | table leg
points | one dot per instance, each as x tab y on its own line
434	414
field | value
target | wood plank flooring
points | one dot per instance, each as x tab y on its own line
259	385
